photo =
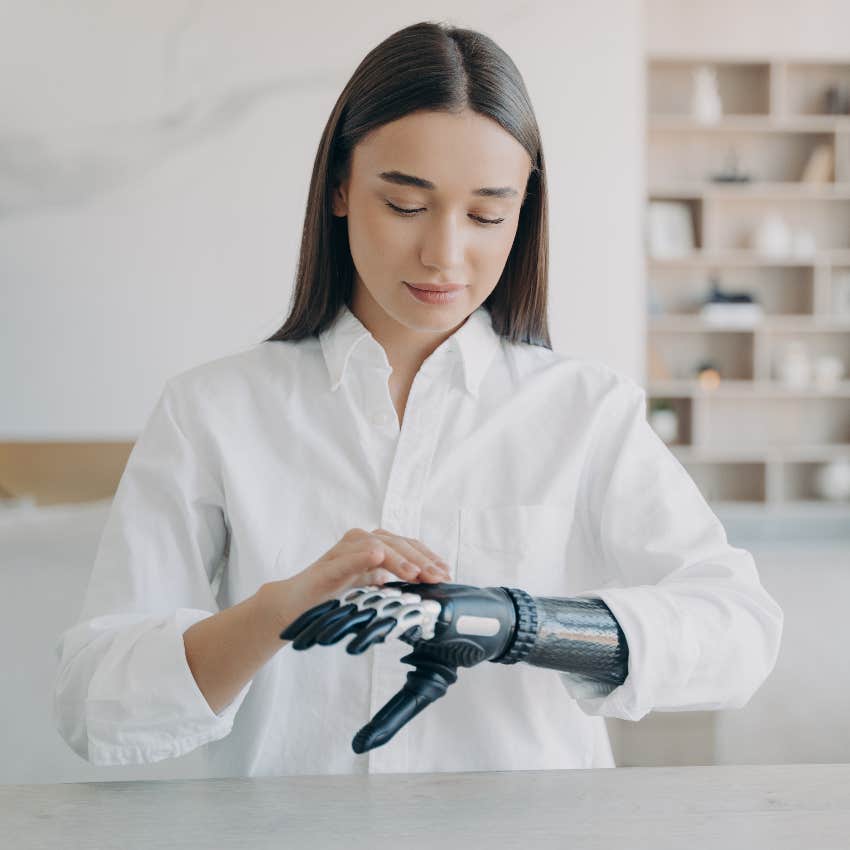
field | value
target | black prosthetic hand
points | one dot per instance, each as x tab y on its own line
450	626
458	625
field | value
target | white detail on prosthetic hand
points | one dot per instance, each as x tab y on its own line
409	609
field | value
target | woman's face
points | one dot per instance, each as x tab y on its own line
446	239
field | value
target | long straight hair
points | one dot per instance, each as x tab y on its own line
437	67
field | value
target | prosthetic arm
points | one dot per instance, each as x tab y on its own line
459	625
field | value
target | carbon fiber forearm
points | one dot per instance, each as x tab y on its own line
581	638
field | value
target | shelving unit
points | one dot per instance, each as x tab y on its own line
751	442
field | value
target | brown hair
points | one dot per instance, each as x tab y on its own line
425	66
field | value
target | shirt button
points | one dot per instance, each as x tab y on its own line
380	418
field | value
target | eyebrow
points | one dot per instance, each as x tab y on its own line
402	179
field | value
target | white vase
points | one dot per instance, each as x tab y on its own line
772	237
706	105
794	369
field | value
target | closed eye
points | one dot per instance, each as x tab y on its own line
405	212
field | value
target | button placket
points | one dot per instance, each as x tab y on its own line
376	401
402	504
401	515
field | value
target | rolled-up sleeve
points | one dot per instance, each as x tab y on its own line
124	692
702	632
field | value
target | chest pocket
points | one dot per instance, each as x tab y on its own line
522	546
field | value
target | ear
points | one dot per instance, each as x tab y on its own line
339	201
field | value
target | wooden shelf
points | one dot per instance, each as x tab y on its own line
752	445
790	190
748	389
788	454
751	124
785	324
749	259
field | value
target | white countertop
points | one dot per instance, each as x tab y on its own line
749	806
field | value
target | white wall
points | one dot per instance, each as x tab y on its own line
794	28
154	165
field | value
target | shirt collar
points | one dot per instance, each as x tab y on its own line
347	337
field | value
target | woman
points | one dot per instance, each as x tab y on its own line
409	421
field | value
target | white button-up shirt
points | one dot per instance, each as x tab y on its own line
520	466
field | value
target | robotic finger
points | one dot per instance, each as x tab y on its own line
371	614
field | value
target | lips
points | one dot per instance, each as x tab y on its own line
436	287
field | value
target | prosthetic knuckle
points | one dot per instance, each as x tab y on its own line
407	608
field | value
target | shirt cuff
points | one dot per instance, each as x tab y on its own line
144	704
662	654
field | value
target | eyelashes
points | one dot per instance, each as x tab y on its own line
409	213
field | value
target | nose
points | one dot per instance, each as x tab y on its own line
443	243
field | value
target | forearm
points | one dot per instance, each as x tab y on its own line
580	637
224	651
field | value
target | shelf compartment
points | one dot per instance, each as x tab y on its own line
677	354
732	223
729	481
799	483
806	85
748	422
683	406
818	343
744	87
697	227
780	291
694	158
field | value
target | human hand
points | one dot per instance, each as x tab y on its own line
358	559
